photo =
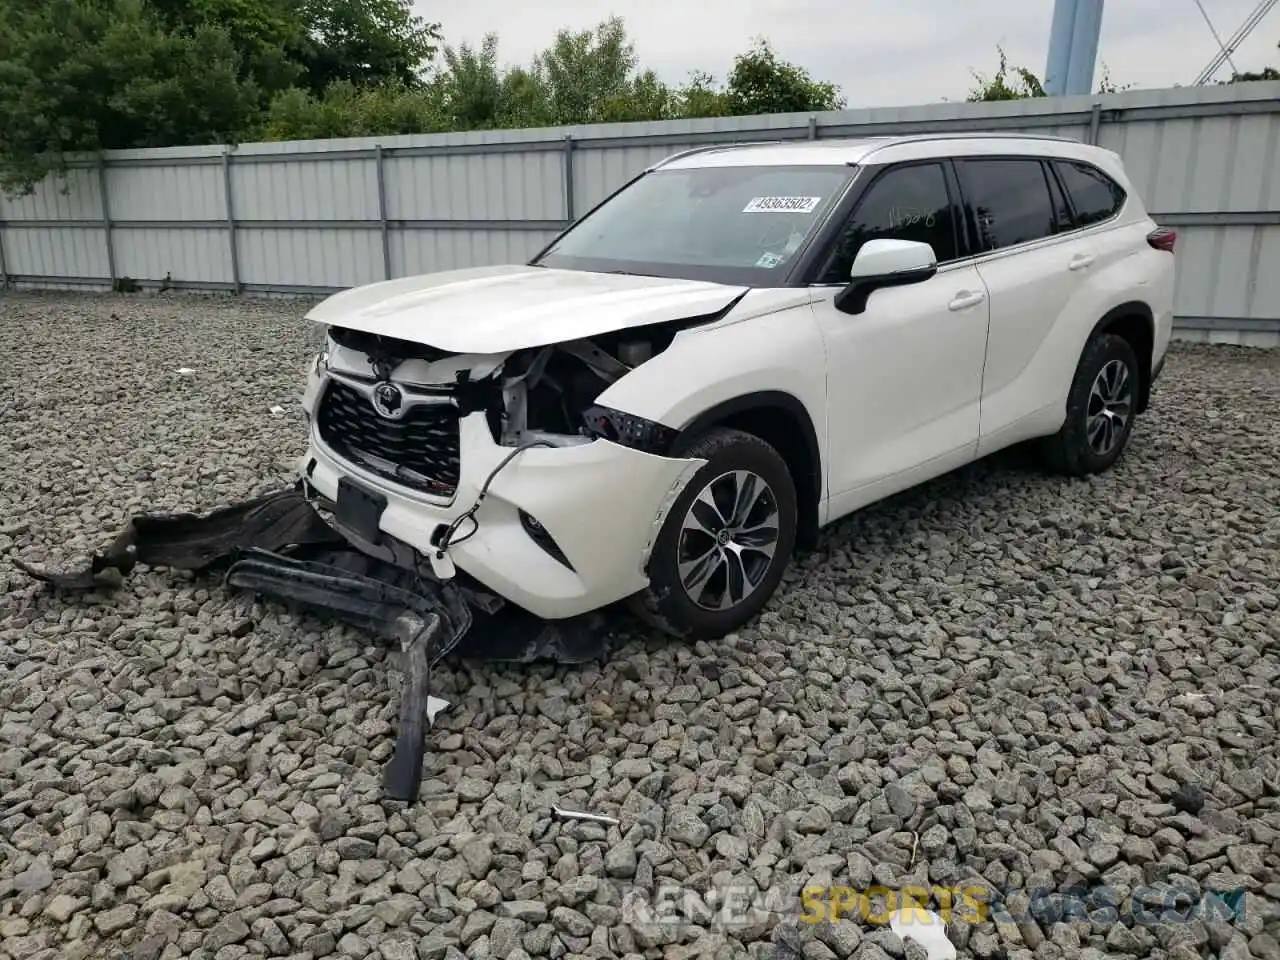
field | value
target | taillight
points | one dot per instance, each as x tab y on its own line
1163	238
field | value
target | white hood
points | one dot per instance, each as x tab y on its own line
499	309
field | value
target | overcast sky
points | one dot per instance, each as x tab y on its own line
881	52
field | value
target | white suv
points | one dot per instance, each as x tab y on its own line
741	345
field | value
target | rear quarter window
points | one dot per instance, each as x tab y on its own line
1095	197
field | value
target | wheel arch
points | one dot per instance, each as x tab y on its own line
1134	322
781	420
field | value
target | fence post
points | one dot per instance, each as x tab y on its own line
1095	120
568	177
232	244
813	128
106	218
382	213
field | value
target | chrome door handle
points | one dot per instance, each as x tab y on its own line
1081	261
965	299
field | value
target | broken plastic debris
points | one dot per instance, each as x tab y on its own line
925	928
185	371
434	706
561	814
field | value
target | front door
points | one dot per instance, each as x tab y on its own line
904	378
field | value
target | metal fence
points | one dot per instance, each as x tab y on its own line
316	216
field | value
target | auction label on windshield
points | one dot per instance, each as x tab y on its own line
782	205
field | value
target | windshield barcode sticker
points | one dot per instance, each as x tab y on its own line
782	205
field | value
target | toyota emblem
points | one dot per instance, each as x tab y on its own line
388	401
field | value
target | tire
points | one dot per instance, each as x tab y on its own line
705	608
1092	439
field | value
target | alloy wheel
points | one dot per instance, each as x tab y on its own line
1110	407
728	540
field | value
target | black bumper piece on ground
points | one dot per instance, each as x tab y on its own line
279	546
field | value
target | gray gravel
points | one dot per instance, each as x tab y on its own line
1000	679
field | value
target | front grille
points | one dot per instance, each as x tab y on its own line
418	451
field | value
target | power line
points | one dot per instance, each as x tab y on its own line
1237	38
1221	46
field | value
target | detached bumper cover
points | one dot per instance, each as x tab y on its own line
278	545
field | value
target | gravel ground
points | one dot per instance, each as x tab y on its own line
999	679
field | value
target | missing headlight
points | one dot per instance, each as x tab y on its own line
628	430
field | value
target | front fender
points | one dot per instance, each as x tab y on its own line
769	343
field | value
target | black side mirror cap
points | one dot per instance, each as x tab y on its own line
853	298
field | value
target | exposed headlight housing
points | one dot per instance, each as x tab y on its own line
629	430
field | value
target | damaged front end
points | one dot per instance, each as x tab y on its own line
371	536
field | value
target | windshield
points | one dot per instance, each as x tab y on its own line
740	225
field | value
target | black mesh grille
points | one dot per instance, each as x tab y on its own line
423	445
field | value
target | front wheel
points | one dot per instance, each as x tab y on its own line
723	547
1101	407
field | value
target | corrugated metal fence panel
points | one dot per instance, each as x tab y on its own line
426	251
71	252
75	196
191	255
523	185
166	193
309	258
1204	159
306	189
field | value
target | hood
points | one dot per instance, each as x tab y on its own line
504	308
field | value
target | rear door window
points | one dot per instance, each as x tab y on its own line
1094	195
1008	201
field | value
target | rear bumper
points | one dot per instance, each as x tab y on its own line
600	503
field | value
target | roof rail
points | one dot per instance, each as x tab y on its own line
968	135
709	147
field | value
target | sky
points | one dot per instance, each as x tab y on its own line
880	52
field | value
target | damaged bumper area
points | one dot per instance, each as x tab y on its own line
280	546
559	531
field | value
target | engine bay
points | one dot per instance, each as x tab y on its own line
544	394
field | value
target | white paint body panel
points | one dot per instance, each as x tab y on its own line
904	383
503	308
929	377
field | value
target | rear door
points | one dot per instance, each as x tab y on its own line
1034	267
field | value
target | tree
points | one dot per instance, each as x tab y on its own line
366	42
86	75
761	83
1021	86
1020	83
1266	73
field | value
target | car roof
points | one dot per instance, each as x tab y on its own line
852	151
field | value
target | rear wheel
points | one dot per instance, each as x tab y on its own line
723	547
1101	407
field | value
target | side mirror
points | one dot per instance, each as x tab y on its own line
885	263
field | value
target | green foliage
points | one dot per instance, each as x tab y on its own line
1019	83
591	76
87	75
1021	86
761	83
365	42
1266	73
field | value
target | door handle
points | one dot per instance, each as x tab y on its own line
1081	261
965	299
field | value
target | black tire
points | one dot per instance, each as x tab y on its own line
666	603
1070	450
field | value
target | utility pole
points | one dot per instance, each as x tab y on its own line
1073	47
